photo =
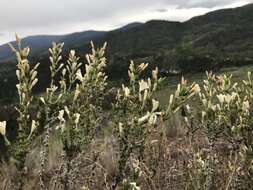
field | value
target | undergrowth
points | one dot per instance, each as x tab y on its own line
213	151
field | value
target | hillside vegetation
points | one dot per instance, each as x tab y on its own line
209	42
83	134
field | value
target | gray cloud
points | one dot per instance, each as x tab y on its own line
161	10
204	3
29	17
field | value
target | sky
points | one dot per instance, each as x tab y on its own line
34	17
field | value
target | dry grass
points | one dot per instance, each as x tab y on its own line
98	166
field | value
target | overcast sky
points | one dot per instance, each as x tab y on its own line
32	17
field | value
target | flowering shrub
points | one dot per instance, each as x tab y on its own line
144	156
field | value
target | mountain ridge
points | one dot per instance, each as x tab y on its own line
43	42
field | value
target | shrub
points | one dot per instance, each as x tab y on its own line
72	108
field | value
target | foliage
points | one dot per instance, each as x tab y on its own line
218	39
72	108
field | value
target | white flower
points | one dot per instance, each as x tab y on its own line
131	66
221	98
171	99
144	118
3	128
183	81
42	100
88	68
215	107
204	102
186	120
234	95
188	107
203	114
79	75
63	72
126	91
228	98
196	89
33	127
34	82
249	75
143	85
67	110
19	89
77	117
72	53
245	106
152	119
131	75
60	116
178	90
77	92
18	74
143	66
120	127
25	52
155	105
145	95
134	186
155	73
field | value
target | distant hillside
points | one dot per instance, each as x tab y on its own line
41	43
210	41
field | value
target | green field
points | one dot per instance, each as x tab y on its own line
170	84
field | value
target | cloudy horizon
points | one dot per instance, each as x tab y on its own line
29	17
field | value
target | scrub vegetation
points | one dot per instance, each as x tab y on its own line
82	133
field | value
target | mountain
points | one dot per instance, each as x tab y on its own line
129	26
211	41
41	43
203	42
